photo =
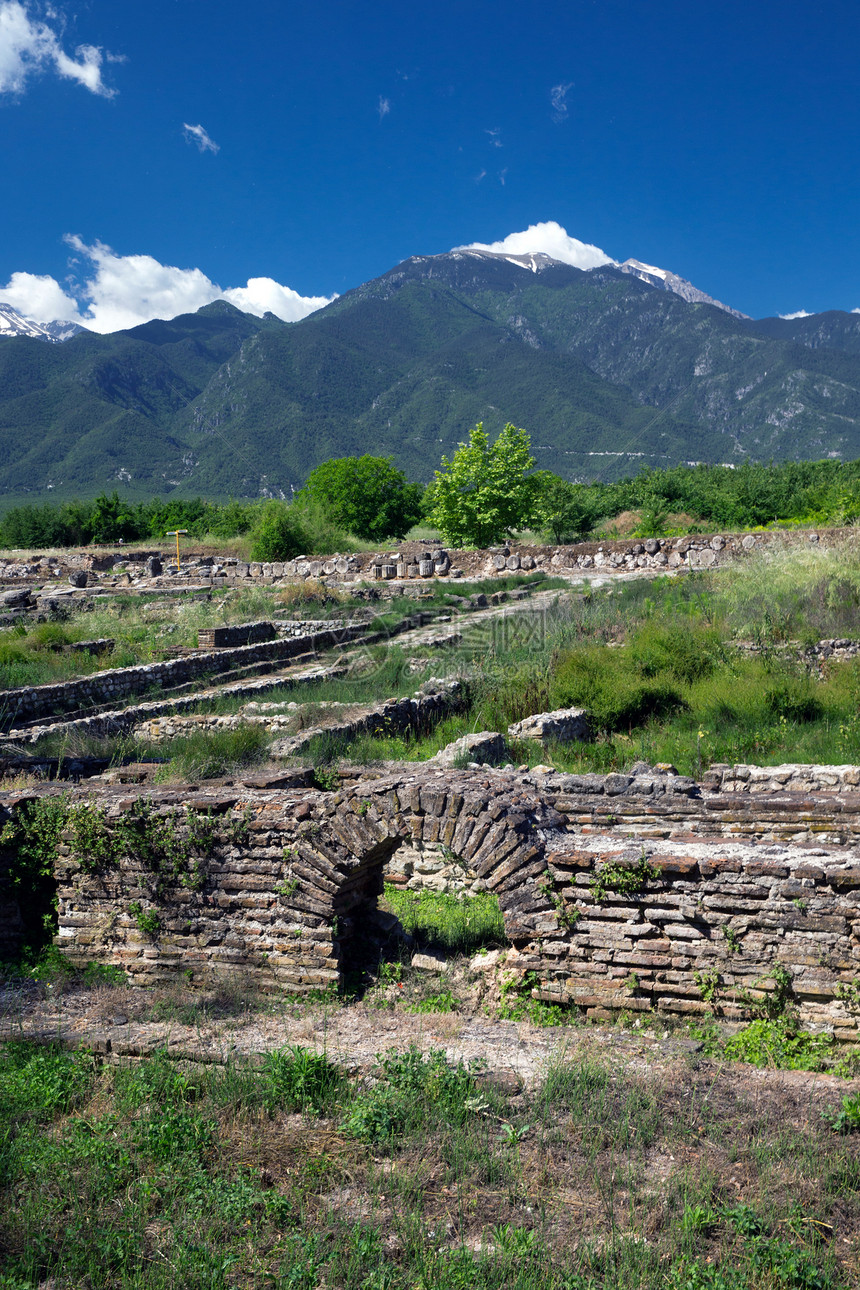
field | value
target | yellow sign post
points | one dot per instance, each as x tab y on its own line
175	533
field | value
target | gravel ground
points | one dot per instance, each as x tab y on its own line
125	1024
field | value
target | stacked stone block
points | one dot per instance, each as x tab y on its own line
633	892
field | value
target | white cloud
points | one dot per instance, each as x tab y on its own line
383	107
264	295
558	98
29	46
550	238
40	298
801	313
197	134
113	292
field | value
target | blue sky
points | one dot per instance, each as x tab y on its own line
328	141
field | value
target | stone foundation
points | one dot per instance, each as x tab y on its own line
637	892
29	703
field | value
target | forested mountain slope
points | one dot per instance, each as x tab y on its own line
604	370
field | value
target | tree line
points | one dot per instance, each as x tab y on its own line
485	492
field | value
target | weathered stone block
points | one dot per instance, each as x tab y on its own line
564	725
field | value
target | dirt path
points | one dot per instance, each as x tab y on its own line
117	1022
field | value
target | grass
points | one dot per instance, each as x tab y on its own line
214	754
657	666
451	924
422	1173
795	591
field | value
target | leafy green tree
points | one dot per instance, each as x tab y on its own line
233	518
34	526
157	516
485	490
111	519
367	496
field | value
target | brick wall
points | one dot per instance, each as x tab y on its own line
726	887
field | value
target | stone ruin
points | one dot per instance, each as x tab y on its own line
637	892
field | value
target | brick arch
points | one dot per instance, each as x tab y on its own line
287	891
502	832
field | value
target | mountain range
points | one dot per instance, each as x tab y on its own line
609	369
13	323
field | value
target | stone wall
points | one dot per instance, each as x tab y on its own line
29	703
411	562
127	718
790	778
243	634
252	633
634	892
420	712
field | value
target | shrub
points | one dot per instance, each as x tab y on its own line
686	651
793	700
278	533
33	836
607	684
780	1044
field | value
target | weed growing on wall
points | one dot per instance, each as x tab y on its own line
520	1002
30	839
146	919
169	845
774	1037
622	879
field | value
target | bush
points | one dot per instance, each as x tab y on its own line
278	533
323	533
566	512
607	684
686	651
793	700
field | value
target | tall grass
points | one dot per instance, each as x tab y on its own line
801	590
655	666
213	754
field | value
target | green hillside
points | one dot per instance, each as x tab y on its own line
407	376
103	410
606	372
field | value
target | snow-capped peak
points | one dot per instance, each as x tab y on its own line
12	323
534	261
668	281
651	270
